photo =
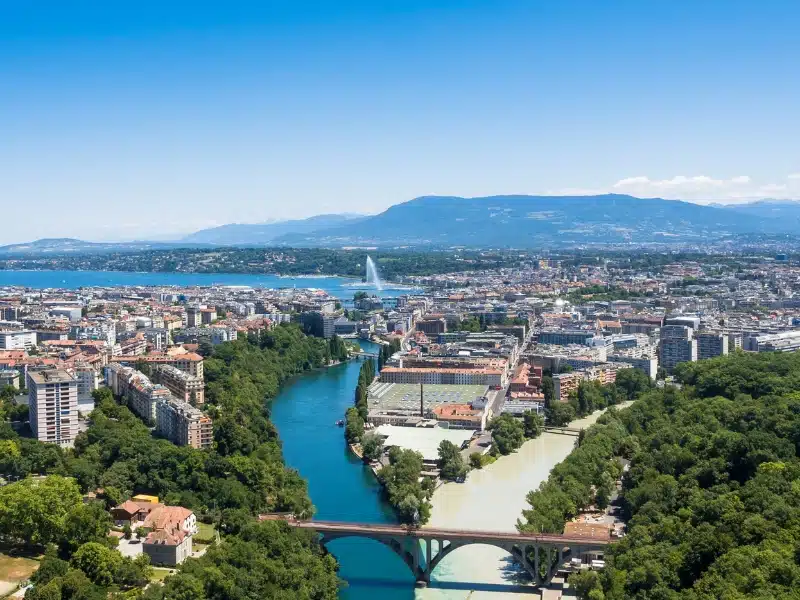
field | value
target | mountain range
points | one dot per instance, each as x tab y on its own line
495	221
264	233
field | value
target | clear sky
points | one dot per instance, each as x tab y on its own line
136	119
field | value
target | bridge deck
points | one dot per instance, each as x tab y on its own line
366	529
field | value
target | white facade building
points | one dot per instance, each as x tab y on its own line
53	404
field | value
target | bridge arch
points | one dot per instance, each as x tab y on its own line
394	544
423	561
518	554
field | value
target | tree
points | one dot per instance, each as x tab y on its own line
584	583
34	512
372	446
133	573
187	587
548	390
533	424
402	486
560	414
85	523
475	460
508	433
604	490
126	531
141	533
143	367
50	567
98	562
49	591
451	463
354	426
633	382
205	349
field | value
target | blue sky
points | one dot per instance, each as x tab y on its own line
123	120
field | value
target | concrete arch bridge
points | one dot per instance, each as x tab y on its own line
423	549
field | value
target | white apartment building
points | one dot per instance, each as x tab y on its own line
53	404
17	339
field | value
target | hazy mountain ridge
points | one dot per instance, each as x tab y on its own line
532	221
76	246
263	233
493	221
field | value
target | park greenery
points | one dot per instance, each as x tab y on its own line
241	476
711	496
477	324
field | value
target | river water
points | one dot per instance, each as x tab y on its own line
305	413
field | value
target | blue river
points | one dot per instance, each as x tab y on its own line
341	488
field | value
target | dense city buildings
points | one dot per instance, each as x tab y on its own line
491	337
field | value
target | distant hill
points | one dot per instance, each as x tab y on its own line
494	221
538	221
73	246
263	233
786	211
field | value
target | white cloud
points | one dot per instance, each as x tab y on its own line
697	182
696	188
702	188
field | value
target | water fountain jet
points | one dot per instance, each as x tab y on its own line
372	274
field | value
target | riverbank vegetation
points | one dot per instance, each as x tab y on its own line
451	464
509	433
242	476
386	352
711	497
592	395
356	416
404	487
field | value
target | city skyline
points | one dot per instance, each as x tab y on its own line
125	125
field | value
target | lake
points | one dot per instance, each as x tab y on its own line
340	287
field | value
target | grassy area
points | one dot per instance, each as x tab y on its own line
16	568
206	531
160	574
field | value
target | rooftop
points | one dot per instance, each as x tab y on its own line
50	376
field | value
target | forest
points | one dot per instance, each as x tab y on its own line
243	475
711	497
